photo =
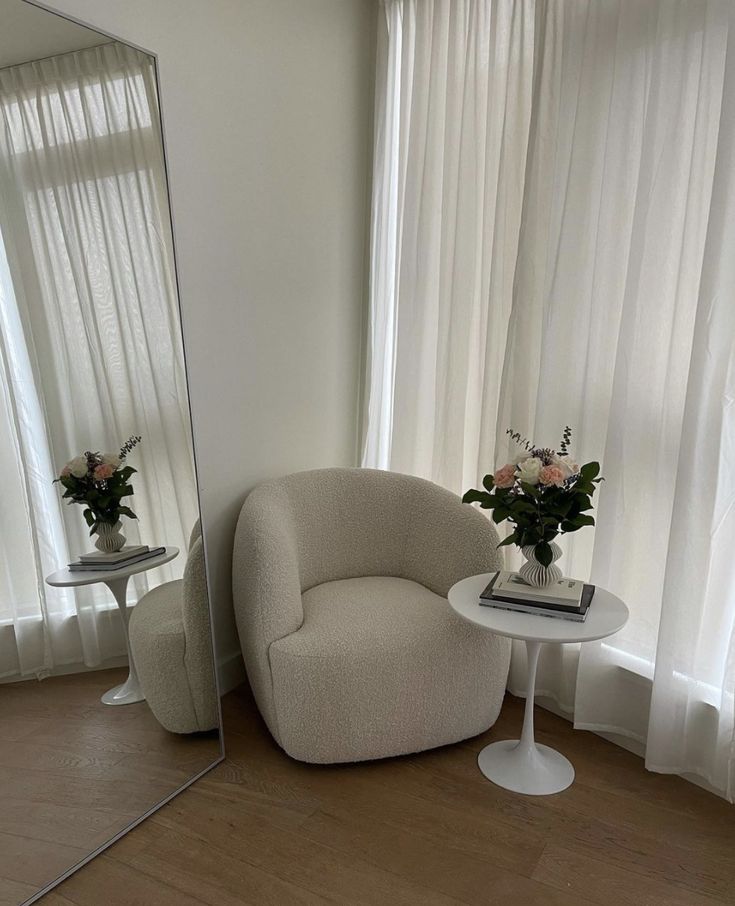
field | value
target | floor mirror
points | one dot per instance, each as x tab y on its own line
108	697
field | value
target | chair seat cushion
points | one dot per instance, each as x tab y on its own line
382	666
160	610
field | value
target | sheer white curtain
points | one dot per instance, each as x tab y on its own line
616	319
454	103
90	343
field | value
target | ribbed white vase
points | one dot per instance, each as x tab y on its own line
535	573
109	537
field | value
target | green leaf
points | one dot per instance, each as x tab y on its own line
475	496
583	519
488	482
126	511
530	489
89	517
583	488
511	539
524	506
544	554
589	471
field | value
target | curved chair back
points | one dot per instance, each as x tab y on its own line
198	656
346	523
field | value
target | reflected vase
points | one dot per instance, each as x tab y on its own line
109	537
535	573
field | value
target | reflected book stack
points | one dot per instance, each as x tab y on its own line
567	599
99	561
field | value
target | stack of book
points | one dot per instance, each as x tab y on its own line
98	561
567	599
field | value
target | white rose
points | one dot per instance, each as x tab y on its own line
78	466
529	469
110	459
521	457
568	466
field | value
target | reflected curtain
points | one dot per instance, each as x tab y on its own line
90	342
616	318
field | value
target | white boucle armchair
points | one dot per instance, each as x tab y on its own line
340	579
171	643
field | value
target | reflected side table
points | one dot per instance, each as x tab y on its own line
117	581
523	765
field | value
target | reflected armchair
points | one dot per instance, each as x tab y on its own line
170	639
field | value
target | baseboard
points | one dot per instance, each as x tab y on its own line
66	670
230	672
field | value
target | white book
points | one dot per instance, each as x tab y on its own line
125	553
565	591
104	566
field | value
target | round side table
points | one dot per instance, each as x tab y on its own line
117	581
523	765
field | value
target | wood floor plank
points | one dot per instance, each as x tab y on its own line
292	857
178	861
609	885
669	858
365	792
26	860
106	881
14	892
80	826
425	829
75	772
450	870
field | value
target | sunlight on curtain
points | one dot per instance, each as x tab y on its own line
606	323
449	171
91	343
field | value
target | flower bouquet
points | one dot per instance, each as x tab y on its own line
99	481
543	493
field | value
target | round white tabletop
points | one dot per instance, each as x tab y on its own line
66	578
607	614
523	765
116	580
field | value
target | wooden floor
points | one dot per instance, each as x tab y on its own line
427	829
74	772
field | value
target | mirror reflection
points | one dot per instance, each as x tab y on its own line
108	701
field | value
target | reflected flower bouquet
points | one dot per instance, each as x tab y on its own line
98	482
543	493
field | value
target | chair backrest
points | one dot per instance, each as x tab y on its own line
346	523
197	632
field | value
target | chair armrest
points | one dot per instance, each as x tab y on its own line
266	588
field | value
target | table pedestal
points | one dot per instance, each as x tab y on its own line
522	765
129	692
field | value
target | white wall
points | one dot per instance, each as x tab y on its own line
267	110
28	33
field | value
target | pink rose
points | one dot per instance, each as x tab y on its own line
103	471
505	477
551	475
65	472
